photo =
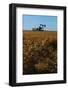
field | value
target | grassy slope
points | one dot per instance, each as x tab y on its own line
40	52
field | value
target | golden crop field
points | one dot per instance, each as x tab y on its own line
39	52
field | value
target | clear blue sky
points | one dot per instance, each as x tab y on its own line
31	21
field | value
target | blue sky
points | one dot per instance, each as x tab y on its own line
31	21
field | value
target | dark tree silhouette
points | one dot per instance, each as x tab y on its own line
40	28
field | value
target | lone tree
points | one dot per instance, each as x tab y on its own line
40	28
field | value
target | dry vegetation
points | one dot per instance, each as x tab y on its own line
40	52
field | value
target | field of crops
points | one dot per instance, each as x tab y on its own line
39	52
